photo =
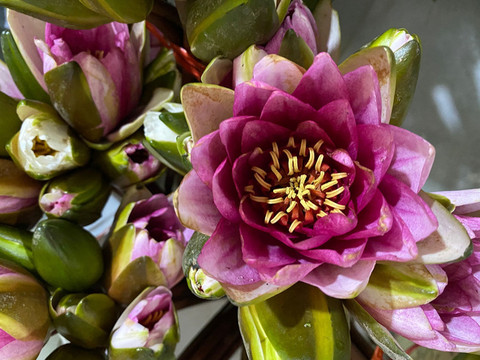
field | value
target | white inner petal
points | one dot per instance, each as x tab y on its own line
129	335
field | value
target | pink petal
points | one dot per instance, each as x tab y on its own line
278	72
338	252
341	283
230	133
7	85
194	203
207	154
289	274
250	98
241	172
462	328
21	350
364	94
413	158
409	207
465	201
363	188
224	193
322	83
221	257
258	133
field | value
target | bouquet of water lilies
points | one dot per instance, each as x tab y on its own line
246	162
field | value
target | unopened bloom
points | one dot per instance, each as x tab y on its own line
147	245
148	326
299	177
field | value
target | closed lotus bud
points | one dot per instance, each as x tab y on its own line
24	313
18	196
65	255
73	352
145	248
302	314
16	245
147	329
84	319
45	146
227	28
78	196
128	162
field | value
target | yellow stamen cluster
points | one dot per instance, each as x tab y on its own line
297	186
152	319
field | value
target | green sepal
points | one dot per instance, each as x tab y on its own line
121	10
192	251
228	27
467	357
161	65
74	352
294	48
65	255
27	108
302	315
65	13
216	70
16	245
9	121
377	332
71	97
446	203
21	74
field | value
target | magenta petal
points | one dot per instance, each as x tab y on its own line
337	119
322	83
5	338
224	193
231	132
341	283
225	244
207	154
344	253
312	132
250	98
278	72
286	110
261	251
241	172
261	134
194	203
289	274
364	91
376	149
363	188
413	158
409	207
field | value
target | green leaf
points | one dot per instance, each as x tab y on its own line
378	333
121	10
294	48
21	73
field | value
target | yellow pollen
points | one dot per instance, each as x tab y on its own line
262	182
311	158
317	146
305	192
276	172
338	176
319	179
321	213
278	217
295	164
291	142
274	156
336	211
275	201
304	204
280	190
275	149
249	189
328	184
312	205
303	148
335	192
303	178
291	206
259	171
294	225
318	164
260	199
268	216
334	205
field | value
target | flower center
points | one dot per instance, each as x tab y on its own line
152	319
40	148
298	186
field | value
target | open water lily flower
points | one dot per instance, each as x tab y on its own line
297	176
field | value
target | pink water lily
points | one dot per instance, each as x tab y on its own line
296	178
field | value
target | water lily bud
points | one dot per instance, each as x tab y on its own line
65	255
78	196
73	352
45	146
244	63
85	320
165	134
147	329
145	248
16	246
273	329
18	195
24	313
128	162
227	28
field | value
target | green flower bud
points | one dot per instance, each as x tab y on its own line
73	352
85	320
65	255
18	195
24	320
204	286
121	10
16	245
302	314
128	162
45	146
78	196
